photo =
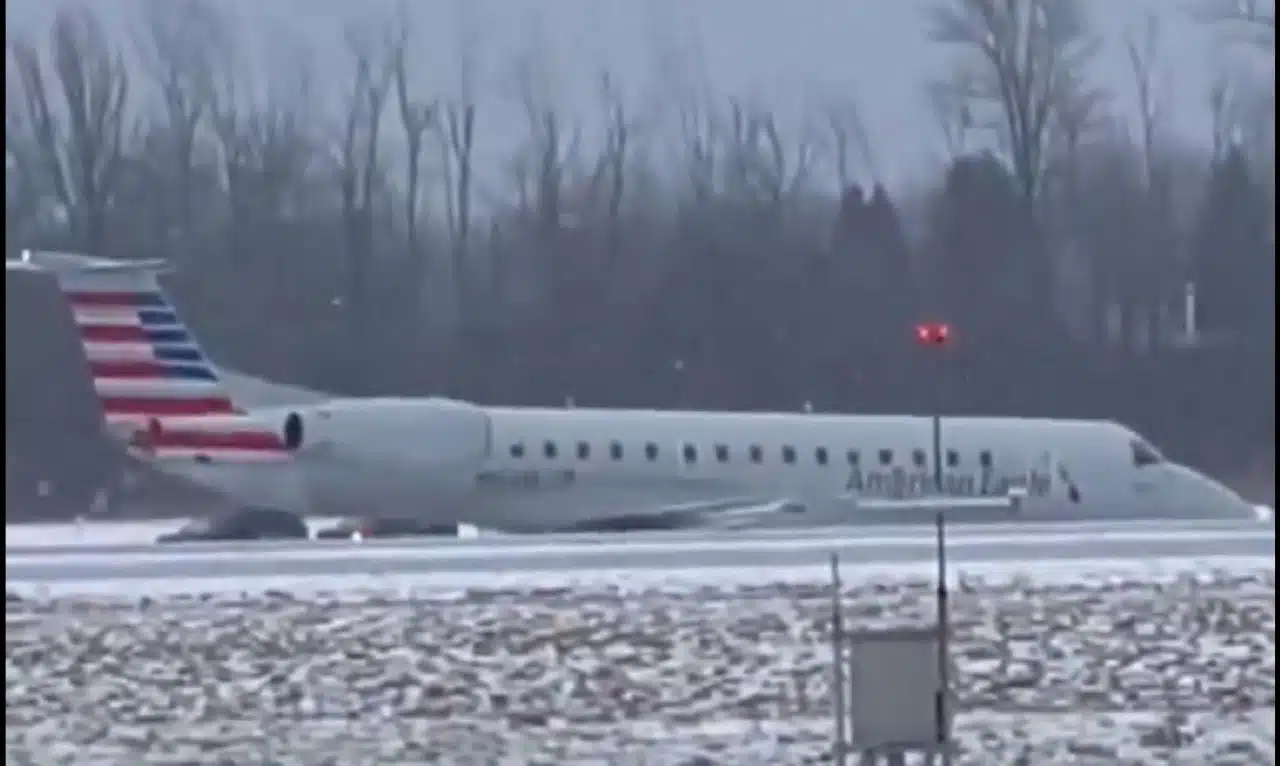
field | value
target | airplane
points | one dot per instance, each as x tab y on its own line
525	469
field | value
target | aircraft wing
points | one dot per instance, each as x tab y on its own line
871	510
728	513
749	512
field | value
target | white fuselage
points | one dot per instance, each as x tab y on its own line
530	469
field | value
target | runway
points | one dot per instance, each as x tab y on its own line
129	538
1134	541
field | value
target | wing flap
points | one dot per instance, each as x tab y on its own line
748	512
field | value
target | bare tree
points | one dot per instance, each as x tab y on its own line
456	139
80	155
847	136
700	129
1143	49
949	102
1080	113
417	117
759	165
358	165
1255	20
1243	116
1024	54
27	186
1226	104
181	44
265	141
680	92
1152	266
610	174
230	117
552	145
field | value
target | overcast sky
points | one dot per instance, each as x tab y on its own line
786	53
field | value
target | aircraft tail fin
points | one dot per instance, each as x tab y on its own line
147	366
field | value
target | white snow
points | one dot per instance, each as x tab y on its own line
450	585
100	533
1173	662
104	533
635	545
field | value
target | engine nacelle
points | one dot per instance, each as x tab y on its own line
434	431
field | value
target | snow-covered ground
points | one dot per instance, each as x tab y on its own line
389	581
1150	669
99	533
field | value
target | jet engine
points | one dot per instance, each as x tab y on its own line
434	431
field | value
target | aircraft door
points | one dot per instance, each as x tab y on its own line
1051	489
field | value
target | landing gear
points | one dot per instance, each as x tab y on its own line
439	530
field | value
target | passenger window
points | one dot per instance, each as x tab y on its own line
854	457
1144	454
918	457
984	458
517	450
820	455
584	451
756	454
549	449
886	456
690	453
615	450
722	453
953	458
788	455
651	451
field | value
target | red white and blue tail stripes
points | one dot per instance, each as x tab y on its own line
143	361
156	386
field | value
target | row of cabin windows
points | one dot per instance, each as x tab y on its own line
755	453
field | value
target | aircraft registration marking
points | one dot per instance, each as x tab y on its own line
527	478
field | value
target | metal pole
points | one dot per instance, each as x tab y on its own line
937	421
943	699
837	660
937	447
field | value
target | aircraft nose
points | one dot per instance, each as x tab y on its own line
1198	496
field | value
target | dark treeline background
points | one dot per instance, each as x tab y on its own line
690	253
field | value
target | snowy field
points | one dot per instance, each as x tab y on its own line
1130	666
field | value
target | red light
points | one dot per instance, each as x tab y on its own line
933	333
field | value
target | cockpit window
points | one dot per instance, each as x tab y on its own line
1144	454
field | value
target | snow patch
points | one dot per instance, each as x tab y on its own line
1107	668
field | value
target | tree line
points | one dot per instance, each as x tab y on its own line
690	253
